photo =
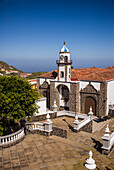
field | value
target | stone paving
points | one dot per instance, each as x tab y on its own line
38	152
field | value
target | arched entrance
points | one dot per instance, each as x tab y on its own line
90	101
63	97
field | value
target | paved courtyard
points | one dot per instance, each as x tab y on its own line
38	152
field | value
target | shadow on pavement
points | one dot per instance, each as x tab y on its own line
99	120
70	127
97	145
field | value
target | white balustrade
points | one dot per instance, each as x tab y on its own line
79	125
11	138
36	126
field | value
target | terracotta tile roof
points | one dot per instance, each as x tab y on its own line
90	74
48	75
93	74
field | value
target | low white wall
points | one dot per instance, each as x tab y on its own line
42	105
110	94
44	79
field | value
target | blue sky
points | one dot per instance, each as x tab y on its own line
32	33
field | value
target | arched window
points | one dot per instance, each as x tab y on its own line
66	58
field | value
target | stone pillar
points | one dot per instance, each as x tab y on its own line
74	97
52	92
48	124
103	99
90	163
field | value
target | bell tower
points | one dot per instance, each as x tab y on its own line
64	64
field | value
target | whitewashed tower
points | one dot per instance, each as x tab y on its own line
64	64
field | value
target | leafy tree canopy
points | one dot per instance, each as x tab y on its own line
17	99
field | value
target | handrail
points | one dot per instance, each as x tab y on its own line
12	137
84	122
36	126
6	136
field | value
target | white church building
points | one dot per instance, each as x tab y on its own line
78	89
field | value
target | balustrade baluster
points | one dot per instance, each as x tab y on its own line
3	140
9	139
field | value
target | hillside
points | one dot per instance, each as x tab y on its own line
8	67
35	74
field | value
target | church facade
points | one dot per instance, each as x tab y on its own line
78	89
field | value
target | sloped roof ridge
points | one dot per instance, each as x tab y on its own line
98	75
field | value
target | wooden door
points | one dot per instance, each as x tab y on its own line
89	101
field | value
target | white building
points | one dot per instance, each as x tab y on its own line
78	89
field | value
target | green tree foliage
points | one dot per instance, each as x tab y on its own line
17	99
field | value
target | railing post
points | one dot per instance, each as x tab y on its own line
48	124
106	141
90	114
76	122
55	108
90	163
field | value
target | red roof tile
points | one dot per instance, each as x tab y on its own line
90	74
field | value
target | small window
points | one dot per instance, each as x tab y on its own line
62	74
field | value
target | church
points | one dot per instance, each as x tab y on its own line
77	89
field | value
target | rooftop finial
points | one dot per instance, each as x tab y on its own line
64	42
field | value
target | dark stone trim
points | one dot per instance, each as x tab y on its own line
59	132
99	96
74	97
44	133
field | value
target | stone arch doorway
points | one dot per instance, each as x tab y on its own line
63	92
90	101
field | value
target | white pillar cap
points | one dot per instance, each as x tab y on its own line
107	131
90	163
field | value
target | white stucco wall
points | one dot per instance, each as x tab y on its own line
42	104
110	94
84	84
44	79
61	68
66	84
68	73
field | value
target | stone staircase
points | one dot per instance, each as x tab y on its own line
98	125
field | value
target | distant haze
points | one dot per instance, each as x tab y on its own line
32	33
